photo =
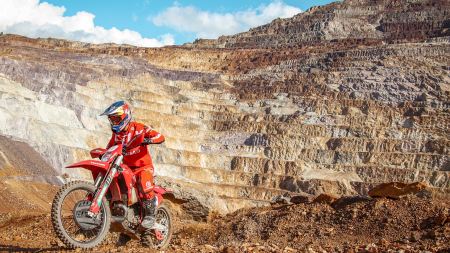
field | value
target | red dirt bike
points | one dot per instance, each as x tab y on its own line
83	213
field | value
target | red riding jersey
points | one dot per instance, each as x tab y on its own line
136	156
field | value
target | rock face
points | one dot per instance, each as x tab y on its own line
354	21
334	100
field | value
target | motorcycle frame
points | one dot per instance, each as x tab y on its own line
106	178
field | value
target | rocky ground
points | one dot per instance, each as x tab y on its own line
415	223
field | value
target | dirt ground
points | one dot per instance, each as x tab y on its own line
351	224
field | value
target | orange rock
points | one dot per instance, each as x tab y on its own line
442	218
325	198
396	189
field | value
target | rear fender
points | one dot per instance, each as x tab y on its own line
161	192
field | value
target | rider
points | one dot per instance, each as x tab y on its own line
137	158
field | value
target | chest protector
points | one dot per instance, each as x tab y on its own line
136	156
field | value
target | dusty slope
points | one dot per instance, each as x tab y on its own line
25	178
411	224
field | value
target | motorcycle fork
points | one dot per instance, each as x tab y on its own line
103	187
98	180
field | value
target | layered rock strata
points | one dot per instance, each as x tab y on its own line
336	99
358	20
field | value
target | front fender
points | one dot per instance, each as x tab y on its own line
95	166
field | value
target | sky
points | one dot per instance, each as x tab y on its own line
147	23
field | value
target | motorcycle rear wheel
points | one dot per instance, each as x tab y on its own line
60	217
163	217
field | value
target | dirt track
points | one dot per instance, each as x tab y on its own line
411	224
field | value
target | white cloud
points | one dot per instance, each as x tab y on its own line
34	19
212	24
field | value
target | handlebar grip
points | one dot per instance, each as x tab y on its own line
147	141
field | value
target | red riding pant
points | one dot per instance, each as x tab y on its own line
145	181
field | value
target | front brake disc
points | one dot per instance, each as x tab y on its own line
81	217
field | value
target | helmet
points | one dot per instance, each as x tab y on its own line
119	115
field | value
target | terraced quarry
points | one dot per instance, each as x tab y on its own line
336	99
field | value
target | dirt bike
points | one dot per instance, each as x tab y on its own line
83	213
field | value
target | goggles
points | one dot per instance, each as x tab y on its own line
115	119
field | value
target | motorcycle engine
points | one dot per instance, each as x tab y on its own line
129	215
119	210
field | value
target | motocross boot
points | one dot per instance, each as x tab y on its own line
150	211
123	239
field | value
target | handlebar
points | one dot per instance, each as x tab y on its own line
147	141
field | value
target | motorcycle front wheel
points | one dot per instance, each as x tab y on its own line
69	216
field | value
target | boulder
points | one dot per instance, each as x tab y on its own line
348	200
325	198
280	199
396	189
299	199
292	199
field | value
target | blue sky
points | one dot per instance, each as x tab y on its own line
142	22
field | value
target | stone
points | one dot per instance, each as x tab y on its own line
396	189
300	199
432	234
425	194
228	250
442	217
210	248
383	242
415	236
348	200
325	198
281	200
